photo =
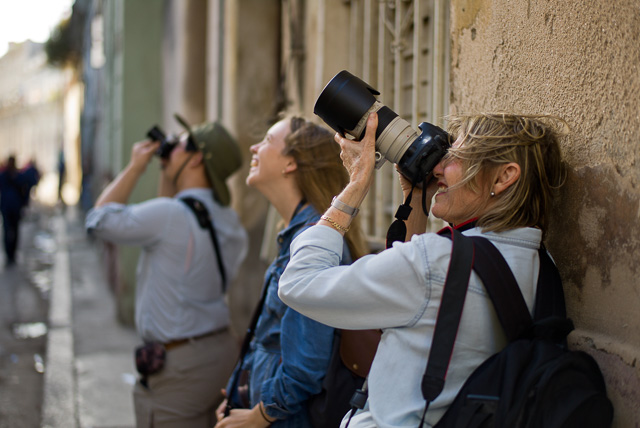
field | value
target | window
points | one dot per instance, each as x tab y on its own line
401	48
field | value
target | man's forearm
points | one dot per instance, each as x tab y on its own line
119	190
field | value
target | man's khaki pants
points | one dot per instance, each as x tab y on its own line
187	390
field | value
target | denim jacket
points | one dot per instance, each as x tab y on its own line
290	353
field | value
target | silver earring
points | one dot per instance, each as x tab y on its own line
492	194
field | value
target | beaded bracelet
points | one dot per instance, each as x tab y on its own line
335	225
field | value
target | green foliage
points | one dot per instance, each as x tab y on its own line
63	48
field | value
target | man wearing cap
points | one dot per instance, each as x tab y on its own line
180	311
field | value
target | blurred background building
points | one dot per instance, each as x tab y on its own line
243	61
39	114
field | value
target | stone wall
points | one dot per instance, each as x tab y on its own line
579	61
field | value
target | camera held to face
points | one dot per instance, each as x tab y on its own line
345	104
167	142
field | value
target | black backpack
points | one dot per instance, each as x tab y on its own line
535	381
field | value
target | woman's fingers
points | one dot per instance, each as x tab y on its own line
370	133
358	157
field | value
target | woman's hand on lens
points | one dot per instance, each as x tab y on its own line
359	157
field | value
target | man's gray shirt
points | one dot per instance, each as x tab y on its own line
178	282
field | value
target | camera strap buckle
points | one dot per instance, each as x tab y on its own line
398	229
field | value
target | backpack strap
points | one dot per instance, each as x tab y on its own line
507	298
206	222
502	288
448	319
447	322
549	295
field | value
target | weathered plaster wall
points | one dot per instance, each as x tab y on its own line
250	76
580	61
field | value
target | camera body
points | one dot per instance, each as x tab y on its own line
345	105
167	142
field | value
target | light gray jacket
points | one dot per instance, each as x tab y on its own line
399	291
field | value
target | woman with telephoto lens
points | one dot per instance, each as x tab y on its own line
297	167
496	181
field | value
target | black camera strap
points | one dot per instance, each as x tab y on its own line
398	229
206	222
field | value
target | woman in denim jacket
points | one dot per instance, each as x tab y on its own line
297	167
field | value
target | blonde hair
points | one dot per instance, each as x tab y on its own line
320	174
493	139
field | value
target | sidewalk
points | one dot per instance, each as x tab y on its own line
89	369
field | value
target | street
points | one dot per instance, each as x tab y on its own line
65	360
24	293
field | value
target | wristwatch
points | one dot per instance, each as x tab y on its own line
338	204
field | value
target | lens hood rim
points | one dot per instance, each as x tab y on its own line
344	100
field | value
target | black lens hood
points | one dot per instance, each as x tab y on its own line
344	101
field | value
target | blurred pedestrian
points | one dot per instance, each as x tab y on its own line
181	313
31	177
11	203
62	172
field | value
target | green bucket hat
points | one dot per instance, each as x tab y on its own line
221	155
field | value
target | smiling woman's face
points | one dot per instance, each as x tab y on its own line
267	160
459	204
